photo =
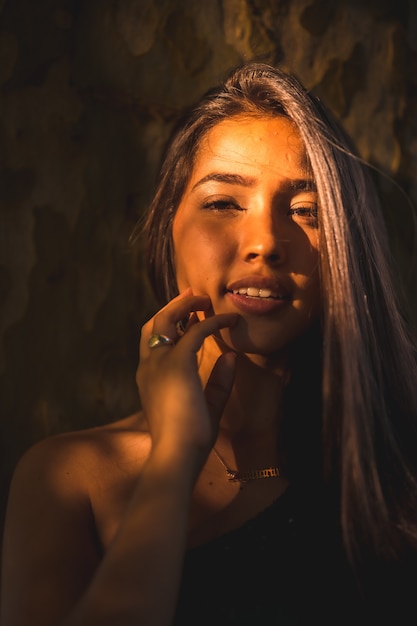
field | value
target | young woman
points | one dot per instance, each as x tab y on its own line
271	476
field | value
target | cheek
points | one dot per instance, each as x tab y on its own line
200	246
313	257
303	257
314	287
316	292
308	272
197	250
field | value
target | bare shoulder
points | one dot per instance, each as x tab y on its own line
73	476
66	499
74	459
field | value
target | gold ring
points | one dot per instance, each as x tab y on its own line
157	340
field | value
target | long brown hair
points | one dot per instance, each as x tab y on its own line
368	377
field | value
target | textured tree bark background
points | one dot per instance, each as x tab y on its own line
89	89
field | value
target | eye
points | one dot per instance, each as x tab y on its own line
222	205
306	211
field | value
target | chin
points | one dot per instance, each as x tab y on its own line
241	342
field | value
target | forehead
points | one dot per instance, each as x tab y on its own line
253	144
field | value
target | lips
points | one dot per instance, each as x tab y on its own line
255	292
258	294
258	287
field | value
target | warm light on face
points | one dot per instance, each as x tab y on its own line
245	232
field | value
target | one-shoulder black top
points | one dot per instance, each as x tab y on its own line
267	572
285	567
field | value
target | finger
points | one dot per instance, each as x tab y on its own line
219	385
160	341
182	325
165	321
194	337
180	307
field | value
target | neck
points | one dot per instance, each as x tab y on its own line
254	408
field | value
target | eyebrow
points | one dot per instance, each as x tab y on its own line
302	184
298	184
230	179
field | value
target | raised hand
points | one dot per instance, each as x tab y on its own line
177	408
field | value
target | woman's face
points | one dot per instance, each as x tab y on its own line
245	232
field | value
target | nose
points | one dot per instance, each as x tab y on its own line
262	238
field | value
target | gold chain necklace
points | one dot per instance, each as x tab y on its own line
246	476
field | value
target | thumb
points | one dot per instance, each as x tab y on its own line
219	384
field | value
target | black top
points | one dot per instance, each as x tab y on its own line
285	567
267	572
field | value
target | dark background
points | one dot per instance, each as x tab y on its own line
89	90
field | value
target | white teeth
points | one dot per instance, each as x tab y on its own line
254	292
265	293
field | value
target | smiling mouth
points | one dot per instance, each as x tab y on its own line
255	292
